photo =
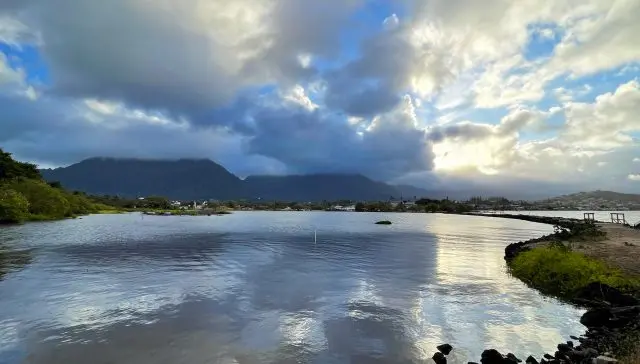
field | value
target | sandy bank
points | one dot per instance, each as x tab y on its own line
621	248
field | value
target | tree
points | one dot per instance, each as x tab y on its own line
155	202
43	199
56	184
14	207
10	168
360	207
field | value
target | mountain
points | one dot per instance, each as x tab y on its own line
601	195
598	197
188	179
184	178
317	187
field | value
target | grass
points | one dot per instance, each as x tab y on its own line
558	271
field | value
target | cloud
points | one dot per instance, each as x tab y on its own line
634	177
493	91
390	145
636	160
184	57
606	123
594	136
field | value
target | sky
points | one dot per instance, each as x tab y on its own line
516	95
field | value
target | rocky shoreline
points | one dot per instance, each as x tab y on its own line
612	318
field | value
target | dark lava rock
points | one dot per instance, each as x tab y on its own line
564	348
444	348
531	360
580	355
439	358
596	318
491	356
597	291
383	222
511	358
548	356
472	362
574	338
560	355
570	343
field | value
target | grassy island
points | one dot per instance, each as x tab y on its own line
383	222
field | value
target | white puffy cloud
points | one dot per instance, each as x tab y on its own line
608	122
634	177
270	80
589	145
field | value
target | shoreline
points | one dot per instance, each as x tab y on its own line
612	319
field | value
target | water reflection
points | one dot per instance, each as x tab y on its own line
255	288
12	260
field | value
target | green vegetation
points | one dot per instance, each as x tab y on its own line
14	207
558	271
25	196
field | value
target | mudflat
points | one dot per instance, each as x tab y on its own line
620	249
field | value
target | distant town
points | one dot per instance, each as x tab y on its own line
583	201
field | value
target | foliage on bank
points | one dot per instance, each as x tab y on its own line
25	196
558	271
553	268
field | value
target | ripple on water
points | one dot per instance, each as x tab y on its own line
255	288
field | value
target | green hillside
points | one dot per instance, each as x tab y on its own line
25	196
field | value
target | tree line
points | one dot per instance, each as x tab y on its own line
25	196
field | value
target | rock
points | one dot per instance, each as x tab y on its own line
591	353
444	348
512	358
581	355
439	358
597	291
548	356
564	348
561	356
471	362
574	338
596	318
604	360
570	343
531	360
491	356
383	222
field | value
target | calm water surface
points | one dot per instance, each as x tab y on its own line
253	287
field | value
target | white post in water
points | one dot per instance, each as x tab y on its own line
315	236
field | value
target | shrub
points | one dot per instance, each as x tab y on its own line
558	271
80	204
14	207
44	200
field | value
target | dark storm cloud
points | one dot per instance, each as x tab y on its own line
166	57
161	60
462	131
312	140
372	83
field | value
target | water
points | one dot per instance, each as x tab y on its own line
253	287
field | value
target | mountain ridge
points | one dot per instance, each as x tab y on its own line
195	178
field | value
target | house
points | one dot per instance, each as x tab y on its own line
344	208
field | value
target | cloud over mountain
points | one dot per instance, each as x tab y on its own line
412	90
